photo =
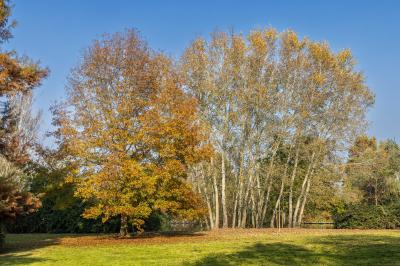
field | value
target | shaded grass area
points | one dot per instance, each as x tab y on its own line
229	247
328	250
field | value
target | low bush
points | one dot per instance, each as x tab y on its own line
364	216
2	240
49	219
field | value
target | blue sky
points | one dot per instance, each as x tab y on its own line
56	32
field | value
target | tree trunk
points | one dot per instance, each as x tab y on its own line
290	216
123	230
241	173
234	211
303	204
277	204
303	190
253	212
257	207
376	191
239	216
210	214
241	187
278	201
203	186
243	220
216	194
247	200
279	216
223	195
264	210
263	202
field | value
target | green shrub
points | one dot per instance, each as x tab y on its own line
49	219
2	240
363	216
157	222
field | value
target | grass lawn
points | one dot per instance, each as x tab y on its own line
225	247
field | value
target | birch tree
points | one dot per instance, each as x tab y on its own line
264	93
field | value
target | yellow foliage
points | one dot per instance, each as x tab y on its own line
132	132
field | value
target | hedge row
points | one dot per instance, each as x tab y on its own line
363	216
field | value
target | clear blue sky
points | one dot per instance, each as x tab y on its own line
55	32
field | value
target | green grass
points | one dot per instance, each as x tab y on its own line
239	247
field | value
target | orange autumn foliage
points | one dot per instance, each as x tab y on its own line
132	131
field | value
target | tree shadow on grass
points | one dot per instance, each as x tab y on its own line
16	259
28	242
361	249
262	254
17	247
325	250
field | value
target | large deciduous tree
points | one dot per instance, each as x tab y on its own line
279	108
131	131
